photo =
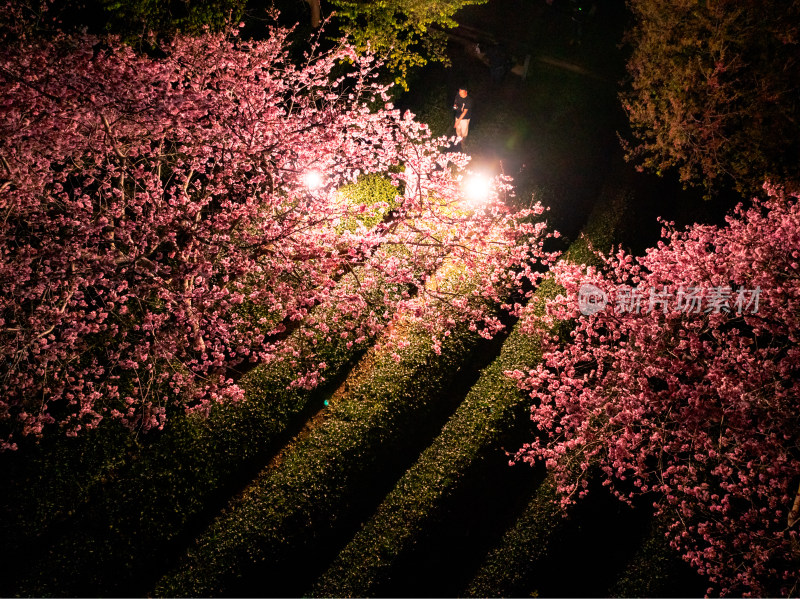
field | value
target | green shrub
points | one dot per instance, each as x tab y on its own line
655	570
135	19
367	191
522	548
319	477
435	111
604	226
140	494
487	410
45	484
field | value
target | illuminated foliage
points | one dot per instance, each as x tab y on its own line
407	32
714	90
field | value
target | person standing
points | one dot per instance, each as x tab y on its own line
463	109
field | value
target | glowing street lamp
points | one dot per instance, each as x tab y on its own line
313	179
476	188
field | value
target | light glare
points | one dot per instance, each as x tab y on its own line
313	179
476	188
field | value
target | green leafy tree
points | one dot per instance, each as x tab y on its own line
714	90
408	33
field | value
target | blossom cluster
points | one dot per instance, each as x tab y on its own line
694	412
171	221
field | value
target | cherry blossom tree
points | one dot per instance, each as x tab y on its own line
168	222
684	391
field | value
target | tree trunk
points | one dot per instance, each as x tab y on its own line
315	12
794	514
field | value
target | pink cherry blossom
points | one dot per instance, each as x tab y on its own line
169	222
695	411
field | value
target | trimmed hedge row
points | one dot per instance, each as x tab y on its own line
146	498
605	226
301	500
477	424
578	553
523	548
487	412
656	570
45	484
525	545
